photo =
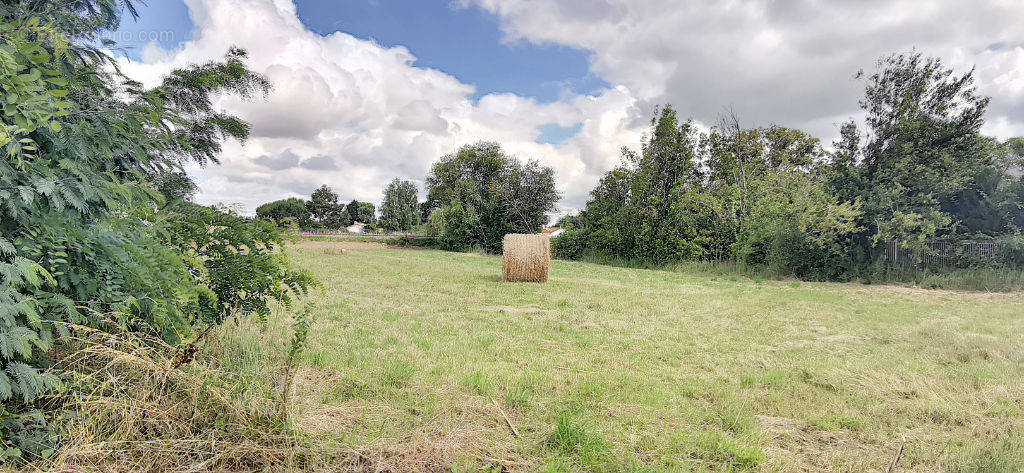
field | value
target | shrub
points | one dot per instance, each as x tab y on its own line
293	209
569	245
239	259
80	233
460	227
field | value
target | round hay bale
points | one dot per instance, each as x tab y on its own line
525	257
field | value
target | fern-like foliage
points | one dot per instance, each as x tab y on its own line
82	231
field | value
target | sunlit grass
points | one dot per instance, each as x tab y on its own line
418	358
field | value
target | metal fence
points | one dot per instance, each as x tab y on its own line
941	253
343	233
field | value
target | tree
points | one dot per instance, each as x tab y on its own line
175	186
292	209
754	194
400	211
83	237
363	212
633	212
664	169
501	194
926	148
324	208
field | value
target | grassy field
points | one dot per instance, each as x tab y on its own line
425	360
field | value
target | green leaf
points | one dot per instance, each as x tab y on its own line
6	247
5	387
55	126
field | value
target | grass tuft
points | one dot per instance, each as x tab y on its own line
574	439
723	449
396	373
1005	456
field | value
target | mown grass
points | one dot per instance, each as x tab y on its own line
425	360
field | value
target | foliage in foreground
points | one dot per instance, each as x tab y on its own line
83	230
237	258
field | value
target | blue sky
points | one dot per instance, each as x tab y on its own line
466	43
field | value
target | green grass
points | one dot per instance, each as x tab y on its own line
994	279
419	356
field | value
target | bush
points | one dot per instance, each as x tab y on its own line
460	225
237	258
415	242
87	241
569	245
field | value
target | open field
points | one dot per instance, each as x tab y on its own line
424	360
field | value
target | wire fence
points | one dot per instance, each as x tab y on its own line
942	253
344	233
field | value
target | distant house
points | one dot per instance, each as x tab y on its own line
356	227
551	232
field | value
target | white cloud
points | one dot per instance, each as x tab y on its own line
352	114
789	62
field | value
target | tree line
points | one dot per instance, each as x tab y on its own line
322	210
919	170
475	196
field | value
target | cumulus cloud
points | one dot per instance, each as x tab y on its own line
352	114
319	163
790	62
285	160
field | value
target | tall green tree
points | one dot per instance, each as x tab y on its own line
635	210
363	212
925	148
400	210
497	192
663	170
324	208
290	210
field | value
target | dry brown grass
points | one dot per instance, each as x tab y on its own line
143	406
525	258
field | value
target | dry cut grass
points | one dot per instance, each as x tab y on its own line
142	406
525	258
427	361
